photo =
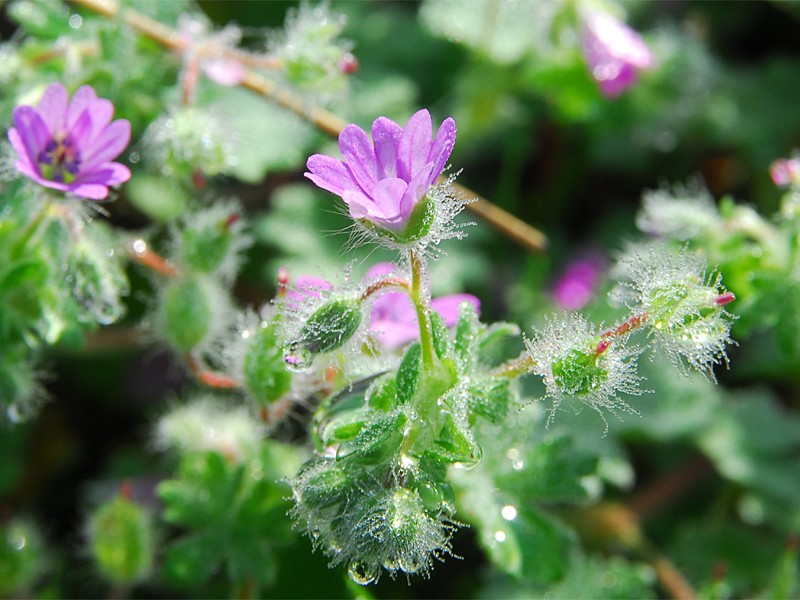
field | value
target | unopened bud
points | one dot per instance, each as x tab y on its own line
329	328
121	540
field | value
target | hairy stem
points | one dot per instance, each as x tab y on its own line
421	299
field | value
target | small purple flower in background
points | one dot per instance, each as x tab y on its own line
785	172
383	180
305	288
206	50
613	52
576	287
393	318
69	145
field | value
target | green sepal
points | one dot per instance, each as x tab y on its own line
408	373
266	378
382	395
454	444
441	337
578	372
326	488
377	441
467	334
491	397
419	224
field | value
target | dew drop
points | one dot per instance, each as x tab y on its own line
297	358
362	573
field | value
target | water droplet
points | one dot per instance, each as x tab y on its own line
298	358
509	512
362	573
500	536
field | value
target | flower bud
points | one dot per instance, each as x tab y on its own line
191	309
121	540
211	240
327	329
576	364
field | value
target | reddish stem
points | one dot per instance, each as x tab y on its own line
141	253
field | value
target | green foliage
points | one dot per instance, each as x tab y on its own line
233	514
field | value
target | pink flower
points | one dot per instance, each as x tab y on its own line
613	52
576	286
208	50
69	145
393	318
306	287
383	180
785	172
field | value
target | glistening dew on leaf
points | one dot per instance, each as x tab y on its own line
384	182
70	145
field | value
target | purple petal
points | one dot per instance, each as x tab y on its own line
415	144
330	174
101	112
387	196
448	306
361	206
24	165
81	99
379	270
108	145
93	191
81	132
442	148
32	131
359	157
111	173
416	189
53	107
386	136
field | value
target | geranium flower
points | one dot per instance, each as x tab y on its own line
613	52
576	287
69	145
383	180
393	318
785	172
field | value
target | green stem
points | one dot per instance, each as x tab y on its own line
421	299
516	367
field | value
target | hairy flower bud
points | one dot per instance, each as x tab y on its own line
327	329
684	306
121	540
576	363
192	309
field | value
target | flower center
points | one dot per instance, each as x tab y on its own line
60	160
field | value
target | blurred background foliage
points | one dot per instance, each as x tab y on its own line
711	471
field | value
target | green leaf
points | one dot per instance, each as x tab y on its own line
491	397
467	334
160	198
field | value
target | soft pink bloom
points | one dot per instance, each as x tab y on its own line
785	171
208	50
613	52
383	180
305	288
576	287
69	145
393	318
